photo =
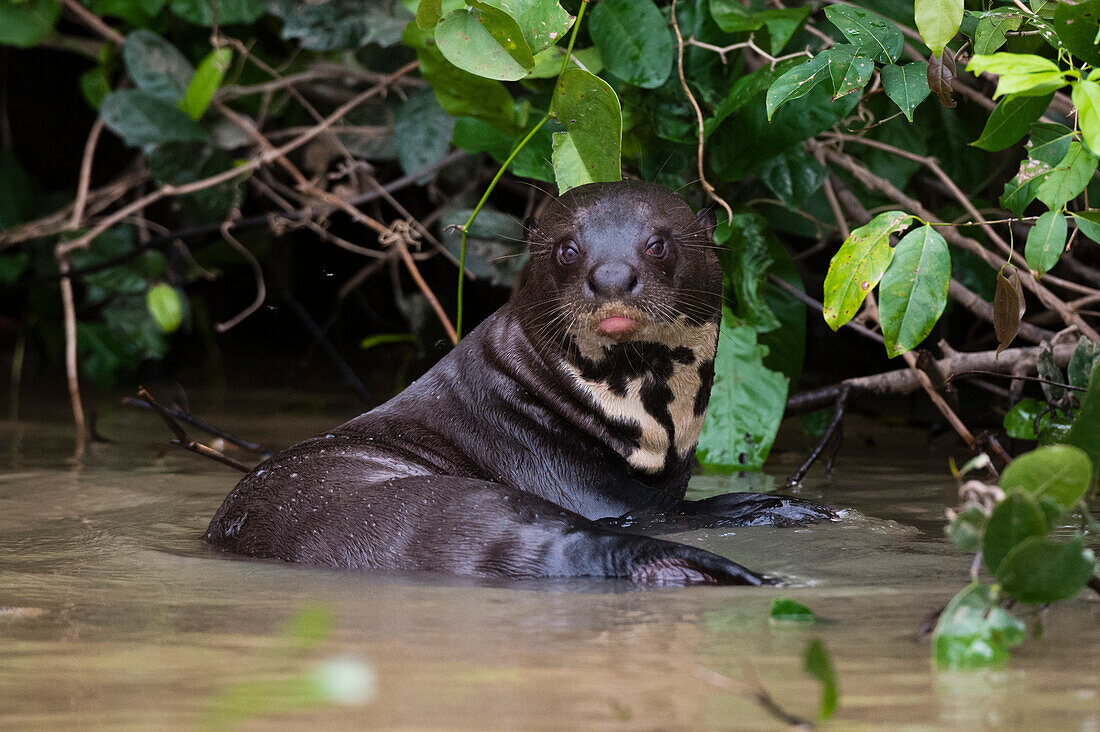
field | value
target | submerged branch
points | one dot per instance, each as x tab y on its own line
905	381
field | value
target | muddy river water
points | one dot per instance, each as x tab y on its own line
114	615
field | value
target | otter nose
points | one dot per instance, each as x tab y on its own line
613	279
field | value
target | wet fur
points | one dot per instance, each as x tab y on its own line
521	451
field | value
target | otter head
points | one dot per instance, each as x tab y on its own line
624	286
619	262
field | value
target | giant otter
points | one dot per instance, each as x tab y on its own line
569	415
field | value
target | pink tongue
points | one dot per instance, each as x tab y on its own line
618	327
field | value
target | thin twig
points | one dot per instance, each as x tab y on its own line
905	381
410	265
700	129
1033	379
818	307
94	22
69	308
186	442
167	191
830	430
194	421
258	273
752	692
81	201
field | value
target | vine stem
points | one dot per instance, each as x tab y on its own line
701	129
504	166
477	210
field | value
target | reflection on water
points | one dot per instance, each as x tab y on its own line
113	613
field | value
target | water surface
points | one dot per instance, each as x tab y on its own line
113	614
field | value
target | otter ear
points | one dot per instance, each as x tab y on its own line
707	221
530	226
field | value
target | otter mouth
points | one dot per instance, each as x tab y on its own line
619	323
618	327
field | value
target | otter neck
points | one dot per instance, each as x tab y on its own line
651	391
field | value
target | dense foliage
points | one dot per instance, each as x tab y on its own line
902	159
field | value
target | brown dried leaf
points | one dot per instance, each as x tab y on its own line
941	72
1008	306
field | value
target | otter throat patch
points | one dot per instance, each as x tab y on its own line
654	388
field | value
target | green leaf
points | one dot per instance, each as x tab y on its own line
140	119
156	66
746	403
1010	121
345	25
206	81
849	68
548	62
385	339
16	202
428	13
793	175
858	265
542	22
12	266
786	345
422	131
1049	142
1020	73
1089	224
138	13
164	305
1046	241
1085	432
989	35
1080	363
819	665
484	41
179	163
798	82
230	12
913	291
1086	97
786	610
95	84
1019	422
974	632
1077	26
965	531
796	121
1060	472
495	249
1014	519
938	21
745	257
879	37
782	23
634	41
1039	570
1047	146
1068	179
743	91
102	354
907	86
459	92
588	151
26	23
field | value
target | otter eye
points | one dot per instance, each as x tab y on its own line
657	249
568	253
